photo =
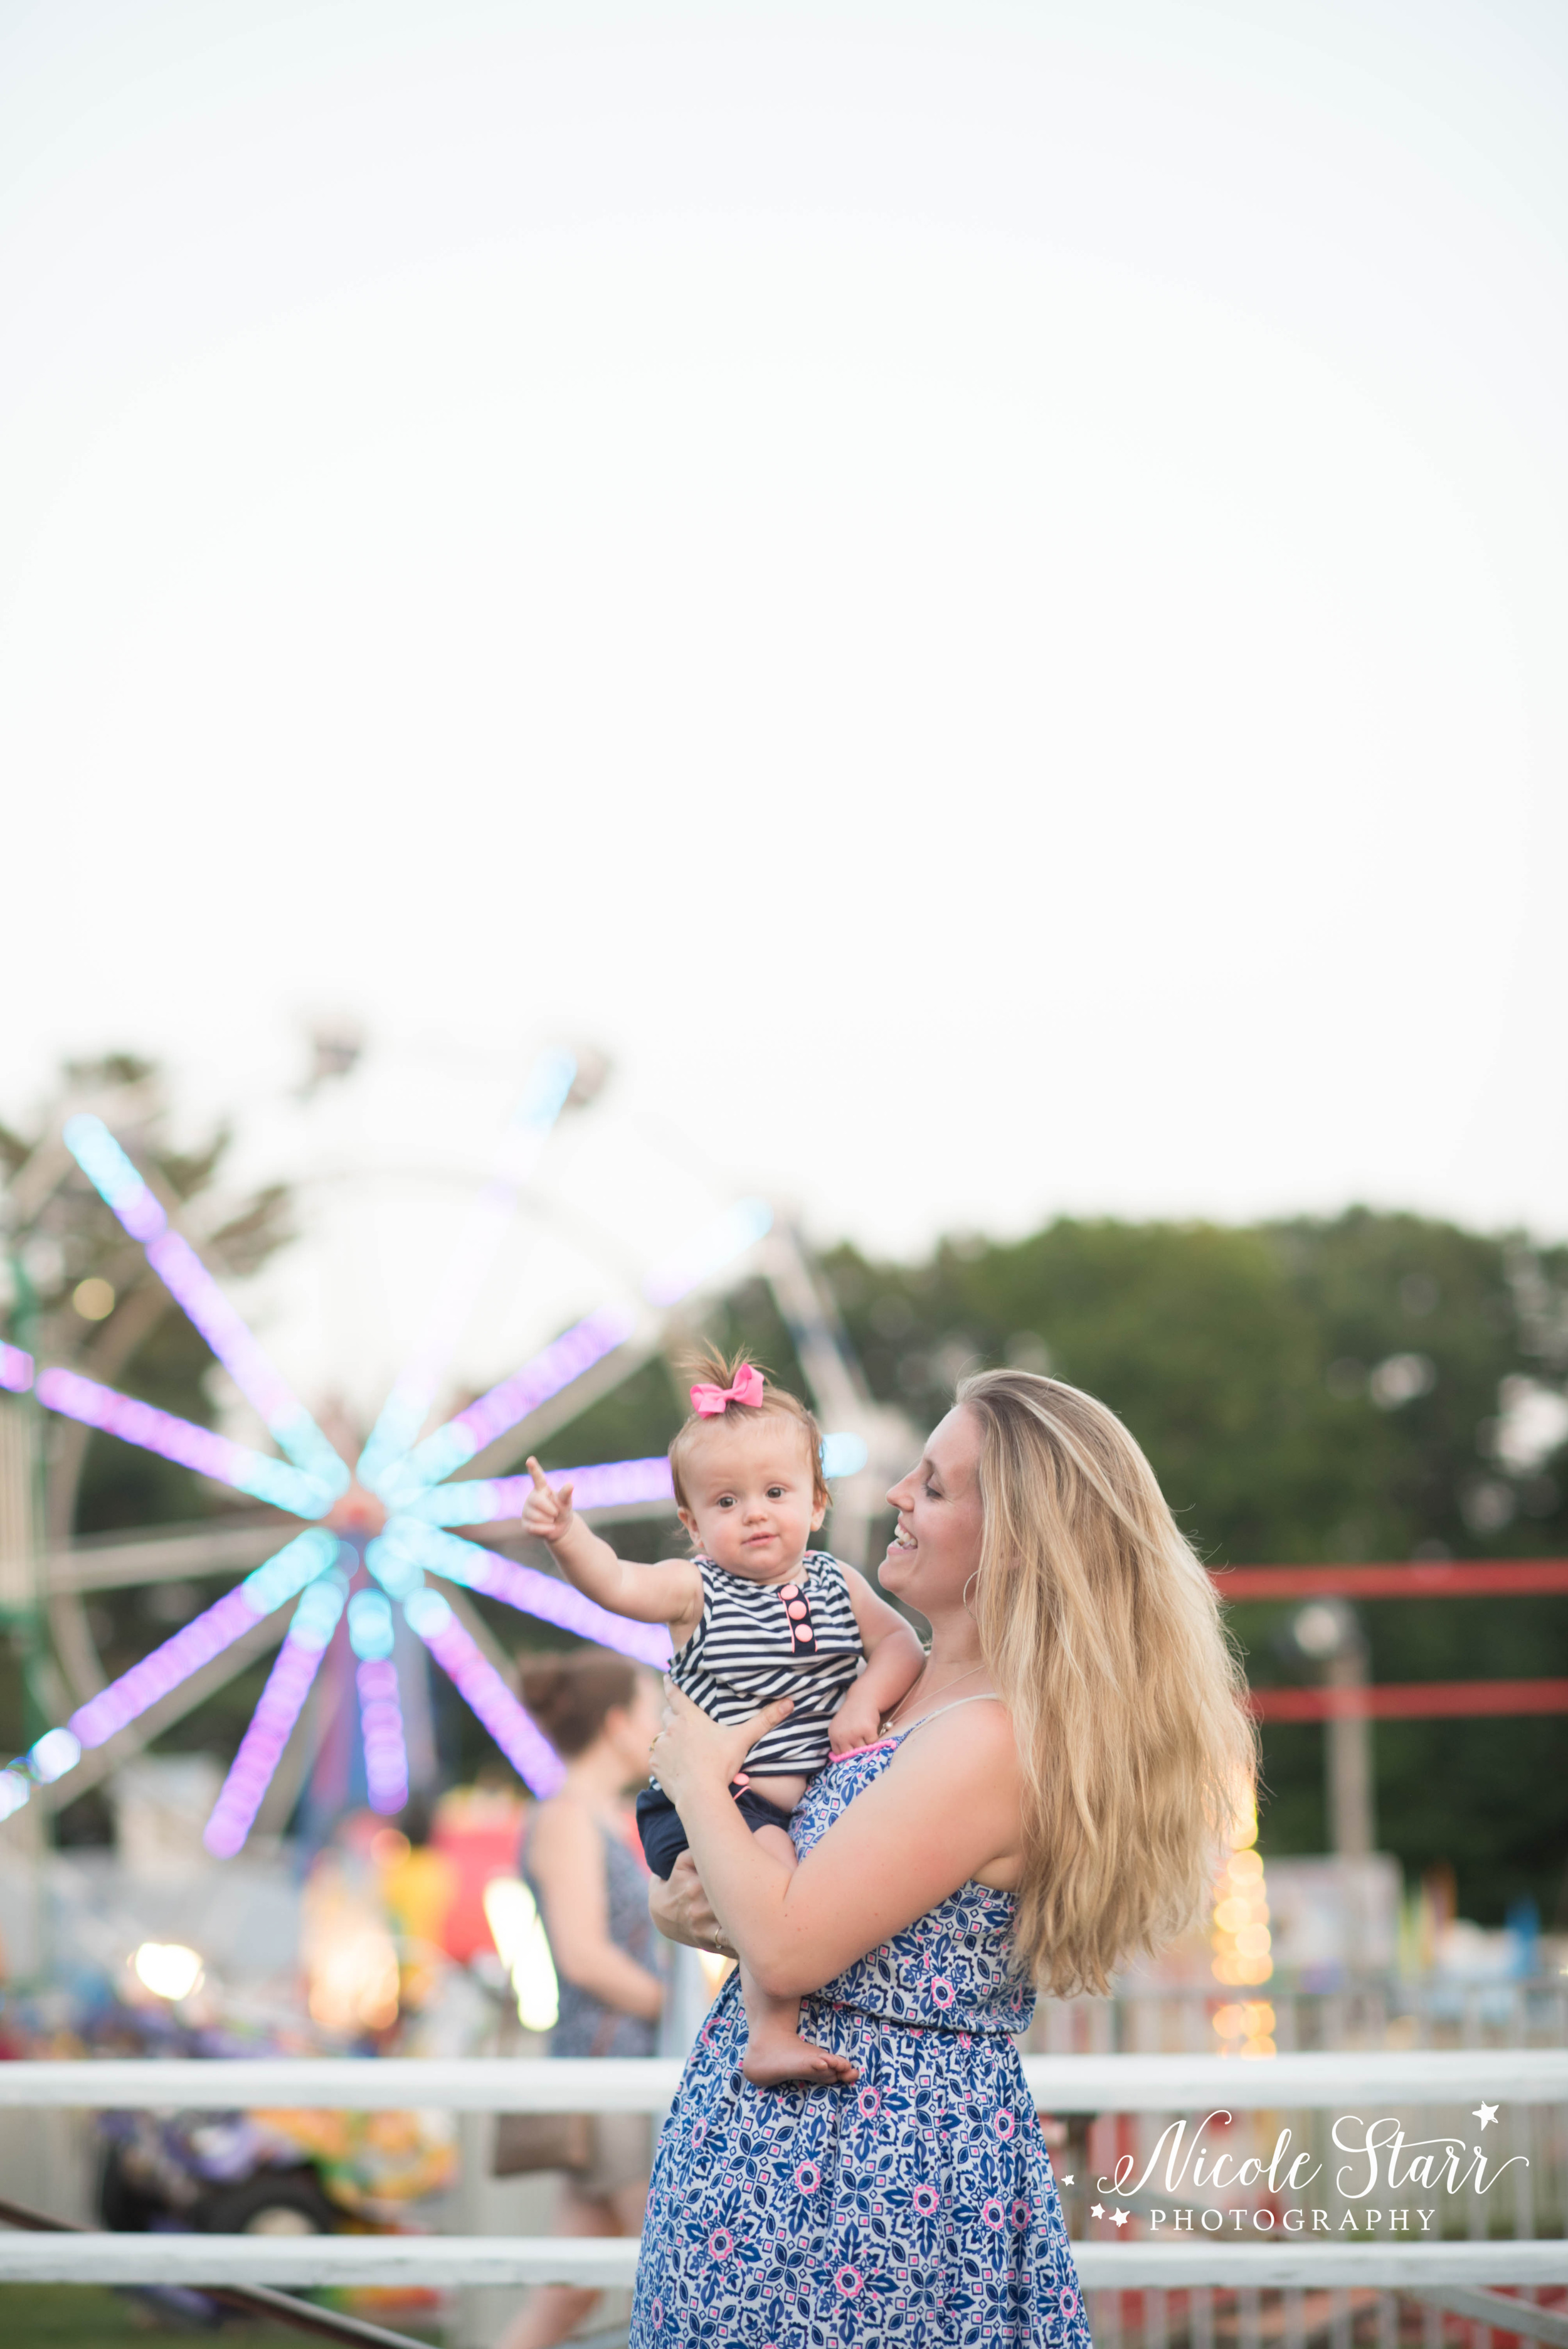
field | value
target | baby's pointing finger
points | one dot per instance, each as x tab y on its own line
540	1481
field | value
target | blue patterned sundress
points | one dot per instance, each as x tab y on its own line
917	2208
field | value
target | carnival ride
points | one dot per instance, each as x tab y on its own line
379	1546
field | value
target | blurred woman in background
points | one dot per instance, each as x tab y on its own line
581	1860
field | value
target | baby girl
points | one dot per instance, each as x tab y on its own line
752	1616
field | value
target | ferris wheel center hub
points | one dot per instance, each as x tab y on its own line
357	1513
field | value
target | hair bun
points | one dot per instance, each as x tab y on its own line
569	1696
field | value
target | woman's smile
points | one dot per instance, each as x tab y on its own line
935	1545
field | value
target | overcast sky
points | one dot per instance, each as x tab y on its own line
975	592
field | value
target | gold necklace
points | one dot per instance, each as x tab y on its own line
887	1719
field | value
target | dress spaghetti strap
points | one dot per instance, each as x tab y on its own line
988	1697
884	1744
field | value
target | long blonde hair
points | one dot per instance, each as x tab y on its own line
1102	1633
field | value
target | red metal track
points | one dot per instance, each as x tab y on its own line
1509	1577
1410	1699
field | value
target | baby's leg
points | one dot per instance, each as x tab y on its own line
775	2051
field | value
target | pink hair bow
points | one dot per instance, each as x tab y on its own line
709	1401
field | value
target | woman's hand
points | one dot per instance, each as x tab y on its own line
679	1908
692	1751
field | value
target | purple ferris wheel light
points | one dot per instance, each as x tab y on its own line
485	1694
542	1375
282	1701
15	1369
530	1592
372	1636
486	1500
179	1440
381	1728
217	1628
156	1675
114	1177
193	1289
191	1286
577	1350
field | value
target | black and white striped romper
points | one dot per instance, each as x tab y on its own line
744	1651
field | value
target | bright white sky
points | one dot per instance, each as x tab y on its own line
975	592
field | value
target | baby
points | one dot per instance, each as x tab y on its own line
753	1616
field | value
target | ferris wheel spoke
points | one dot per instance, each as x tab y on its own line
381	1731
63	1772
206	1635
524	1587
549	1080
485	1500
570	1356
194	1290
545	1375
181	1439
288	1684
485	1693
372	1636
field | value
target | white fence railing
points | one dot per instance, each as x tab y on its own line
1059	2083
290	2260
1358	2082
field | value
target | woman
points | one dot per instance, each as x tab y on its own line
1048	1799
598	1712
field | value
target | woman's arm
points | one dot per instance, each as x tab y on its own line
945	1810
567	1860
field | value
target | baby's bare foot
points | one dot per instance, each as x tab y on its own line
770	2059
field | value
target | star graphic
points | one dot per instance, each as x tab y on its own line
1485	2114
1098	2211
1119	2217
1068	2179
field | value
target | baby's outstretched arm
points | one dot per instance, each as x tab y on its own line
670	1592
895	1661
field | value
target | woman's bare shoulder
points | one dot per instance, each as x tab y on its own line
561	1822
966	1782
944	1812
978	1732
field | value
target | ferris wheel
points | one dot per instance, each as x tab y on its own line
382	1554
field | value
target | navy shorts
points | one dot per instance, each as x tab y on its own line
665	1838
